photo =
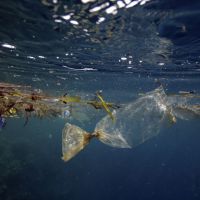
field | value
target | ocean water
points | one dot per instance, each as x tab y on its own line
122	48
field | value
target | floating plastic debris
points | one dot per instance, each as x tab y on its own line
74	139
135	122
124	126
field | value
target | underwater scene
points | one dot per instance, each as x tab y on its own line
99	99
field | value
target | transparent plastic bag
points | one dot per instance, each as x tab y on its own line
136	122
133	124
74	139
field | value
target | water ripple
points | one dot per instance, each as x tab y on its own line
55	38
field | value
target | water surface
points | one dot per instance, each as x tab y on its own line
123	48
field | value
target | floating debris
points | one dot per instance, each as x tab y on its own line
124	126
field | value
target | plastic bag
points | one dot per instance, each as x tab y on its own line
133	124
74	139
136	122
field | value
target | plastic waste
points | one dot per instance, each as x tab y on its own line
141	120
74	139
125	127
134	123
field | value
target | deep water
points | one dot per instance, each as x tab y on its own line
63	46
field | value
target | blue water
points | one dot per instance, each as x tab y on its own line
63	46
